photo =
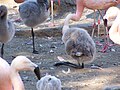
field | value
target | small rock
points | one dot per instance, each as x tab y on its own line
41	45
51	51
95	67
113	50
60	58
66	72
112	88
25	77
28	43
32	57
49	38
51	68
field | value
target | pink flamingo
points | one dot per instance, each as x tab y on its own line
92	4
114	32
9	76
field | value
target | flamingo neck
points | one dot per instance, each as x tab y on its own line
5	81
66	23
3	21
114	28
16	80
114	32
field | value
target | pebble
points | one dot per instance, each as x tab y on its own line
112	88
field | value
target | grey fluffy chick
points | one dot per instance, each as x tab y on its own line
34	12
49	82
7	29
78	44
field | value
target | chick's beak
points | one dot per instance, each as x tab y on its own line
37	72
105	22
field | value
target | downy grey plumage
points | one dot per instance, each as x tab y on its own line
7	29
49	82
78	44
34	12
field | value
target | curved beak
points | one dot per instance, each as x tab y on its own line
37	72
105	22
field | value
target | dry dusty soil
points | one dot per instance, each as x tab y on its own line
50	46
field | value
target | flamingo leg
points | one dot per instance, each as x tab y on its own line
70	65
80	65
52	11
98	42
34	51
79	10
107	43
2	50
108	40
94	25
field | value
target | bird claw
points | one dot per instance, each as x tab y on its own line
110	44
98	43
70	65
35	52
104	49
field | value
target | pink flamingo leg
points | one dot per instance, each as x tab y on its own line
52	18
94	25
52	23
105	48
108	40
98	42
107	43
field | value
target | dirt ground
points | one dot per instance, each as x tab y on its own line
50	47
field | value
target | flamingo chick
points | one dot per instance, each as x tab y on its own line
114	32
9	75
34	12
49	82
7	29
78	44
